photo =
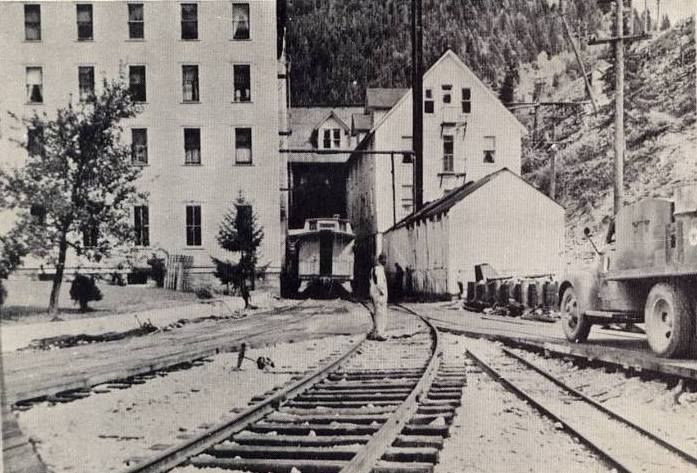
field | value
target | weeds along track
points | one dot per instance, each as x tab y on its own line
382	407
623	444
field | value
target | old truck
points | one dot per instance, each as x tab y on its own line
650	277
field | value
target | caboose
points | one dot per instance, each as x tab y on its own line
321	252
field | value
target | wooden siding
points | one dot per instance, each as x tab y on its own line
506	223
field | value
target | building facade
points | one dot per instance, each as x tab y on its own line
317	166
499	219
468	134
206	75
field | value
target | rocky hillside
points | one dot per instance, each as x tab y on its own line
661	134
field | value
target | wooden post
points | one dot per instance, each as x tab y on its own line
417	99
619	109
394	193
567	30
553	174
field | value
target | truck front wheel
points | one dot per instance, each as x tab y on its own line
669	320
576	325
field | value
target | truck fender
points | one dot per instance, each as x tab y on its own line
586	286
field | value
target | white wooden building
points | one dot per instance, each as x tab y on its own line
468	133
499	219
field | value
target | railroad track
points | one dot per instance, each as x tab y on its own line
382	407
628	447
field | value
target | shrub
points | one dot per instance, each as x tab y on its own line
204	292
138	276
83	290
157	270
3	293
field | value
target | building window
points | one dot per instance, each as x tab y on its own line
90	236
193	225
447	93
84	22
331	138
85	79
139	146
428	101
190	83
141	225
136	21
466	100
489	149
192	146
136	80
242	81
189	21
448	158
32	22
243	146
240	21
35	86
35	141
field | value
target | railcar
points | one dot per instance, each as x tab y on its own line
320	253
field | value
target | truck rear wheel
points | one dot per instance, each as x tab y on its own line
669	320
576	325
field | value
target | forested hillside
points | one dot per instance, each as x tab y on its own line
340	47
660	129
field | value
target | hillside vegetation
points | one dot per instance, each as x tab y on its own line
340	47
660	130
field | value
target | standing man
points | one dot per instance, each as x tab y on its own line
378	293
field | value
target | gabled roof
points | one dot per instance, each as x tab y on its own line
361	122
305	120
382	99
450	199
475	80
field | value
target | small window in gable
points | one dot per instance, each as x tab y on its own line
428	101
447	93
466	100
489	149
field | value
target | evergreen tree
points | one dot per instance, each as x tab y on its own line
241	233
665	23
507	91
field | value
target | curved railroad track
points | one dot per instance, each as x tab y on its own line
628	447
381	406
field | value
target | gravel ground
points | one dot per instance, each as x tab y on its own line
106	430
494	431
650	403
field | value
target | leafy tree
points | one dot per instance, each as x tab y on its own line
11	254
76	188
241	233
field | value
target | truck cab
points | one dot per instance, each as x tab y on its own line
650	277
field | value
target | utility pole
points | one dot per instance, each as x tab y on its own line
658	14
618	41
570	38
417	99
619	109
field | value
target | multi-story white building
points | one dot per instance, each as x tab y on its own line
467	134
206	74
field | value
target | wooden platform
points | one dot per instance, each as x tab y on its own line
623	349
